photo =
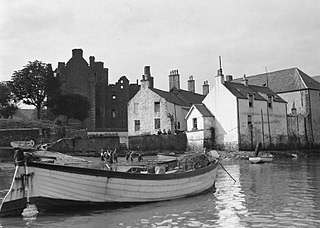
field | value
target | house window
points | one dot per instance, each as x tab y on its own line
250	100
121	87
113	113
113	97
137	125
121	81
270	101
157	123
135	108
195	124
156	107
249	120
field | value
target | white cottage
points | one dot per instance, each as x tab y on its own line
243	116
152	110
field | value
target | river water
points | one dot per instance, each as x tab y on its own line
285	193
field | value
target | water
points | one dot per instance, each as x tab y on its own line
285	193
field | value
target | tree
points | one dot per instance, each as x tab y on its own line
7	105
33	83
71	105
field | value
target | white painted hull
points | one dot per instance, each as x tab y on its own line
74	184
262	159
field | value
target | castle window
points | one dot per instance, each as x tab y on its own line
121	81
121	87
157	123
249	120
156	107
178	125
113	113
113	97
250	97
98	112
195	123
137	125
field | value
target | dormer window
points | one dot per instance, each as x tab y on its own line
250	98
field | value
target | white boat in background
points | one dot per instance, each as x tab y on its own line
53	186
23	144
261	159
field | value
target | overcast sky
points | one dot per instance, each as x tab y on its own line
166	34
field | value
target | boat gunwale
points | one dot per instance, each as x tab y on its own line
123	175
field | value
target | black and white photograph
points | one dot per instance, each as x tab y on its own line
159	113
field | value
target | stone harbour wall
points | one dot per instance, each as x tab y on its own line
176	142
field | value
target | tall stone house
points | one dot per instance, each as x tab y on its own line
108	101
302	93
151	109
236	116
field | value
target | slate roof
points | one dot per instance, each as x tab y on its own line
203	110
260	92
283	81
180	97
317	78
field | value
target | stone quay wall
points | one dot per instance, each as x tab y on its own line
158	142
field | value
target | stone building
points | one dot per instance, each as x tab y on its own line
151	109
302	93
91	80
241	116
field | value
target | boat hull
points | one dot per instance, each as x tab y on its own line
56	186
262	159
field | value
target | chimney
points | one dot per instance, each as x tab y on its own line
191	84
220	74
205	88
229	78
174	79
245	80
61	65
147	73
147	79
91	59
77	53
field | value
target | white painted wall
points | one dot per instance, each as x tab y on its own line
315	114
145	98
223	105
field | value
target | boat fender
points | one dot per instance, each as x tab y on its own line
31	143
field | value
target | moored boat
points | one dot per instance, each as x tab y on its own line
53	186
261	159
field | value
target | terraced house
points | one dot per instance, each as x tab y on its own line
236	116
302	94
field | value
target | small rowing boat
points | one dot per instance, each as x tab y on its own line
261	159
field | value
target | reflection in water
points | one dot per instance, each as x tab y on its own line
284	193
230	199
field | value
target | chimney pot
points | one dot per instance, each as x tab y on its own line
229	78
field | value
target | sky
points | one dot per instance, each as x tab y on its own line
251	36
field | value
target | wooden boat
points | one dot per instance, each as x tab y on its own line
23	144
261	159
52	186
